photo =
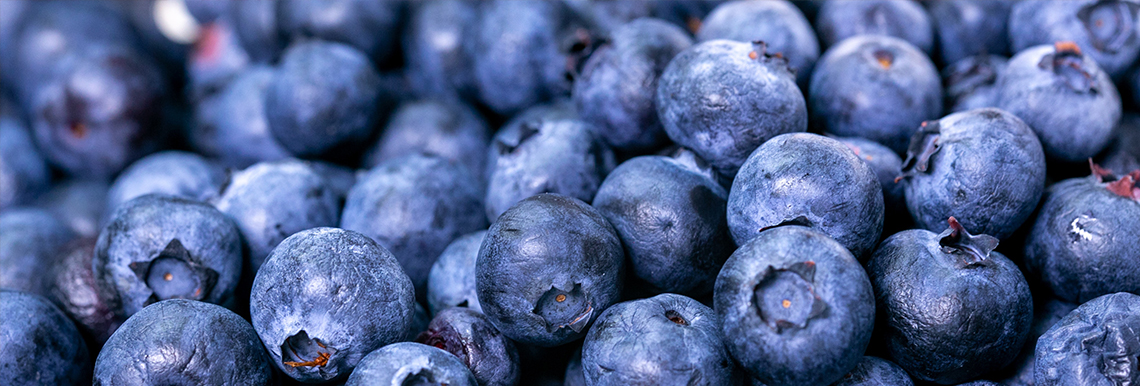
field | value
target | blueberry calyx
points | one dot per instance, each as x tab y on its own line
527	130
1110	24
300	350
578	47
971	250
1067	64
885	58
785	298
760	53
1127	186
423	377
565	309
923	145
676	317
174	274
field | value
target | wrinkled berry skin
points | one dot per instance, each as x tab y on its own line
75	291
810	180
414	206
987	170
547	268
41	346
322	99
723	98
31	243
617	88
451	130
670	215
182	341
950	309
873	371
172	172
876	87
23	172
149	231
411	364
1105	30
369	26
903	19
971	83
1065	97
467	334
231	126
970	27
777	23
666	339
329	293
1083	243
1095	345
270	201
451	281
797	307
1020	371
439	63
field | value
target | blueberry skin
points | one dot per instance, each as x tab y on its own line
41	346
820	339
369	26
1020	371
1064	96
232	126
722	99
215	59
451	281
467	334
778	23
616	90
872	371
451	130
1105	30
545	248
78	203
322	99
984	167
172	172
154	239
1123	153
1081	245
73	288
969	28
950	309
31	241
810	180
411	364
99	111
876	87
1096	344
666	339
545	155
971	83
887	166
414	206
23	172
325	298
270	201
670	215
439	62
903	19
555	110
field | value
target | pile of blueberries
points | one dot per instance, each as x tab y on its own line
570	192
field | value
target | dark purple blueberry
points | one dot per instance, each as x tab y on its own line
75	291
472	338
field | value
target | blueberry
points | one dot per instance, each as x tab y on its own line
231	125
31	242
797	307
270	201
74	290
971	27
1095	344
875	87
369	26
810	180
1106	30
615	92
1077	245
472	338
322	101
217	57
23	172
575	375
325	298
670	215
950	309
872	371
545	155
903	19
723	98
451	281
257	25
411	364
41	346
971	83
887	166
983	166
547	268
439	61
450	130
78	203
1123	152
666	339
183	341
414	206
779	24
1064	96
159	247
172	172
1020	371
